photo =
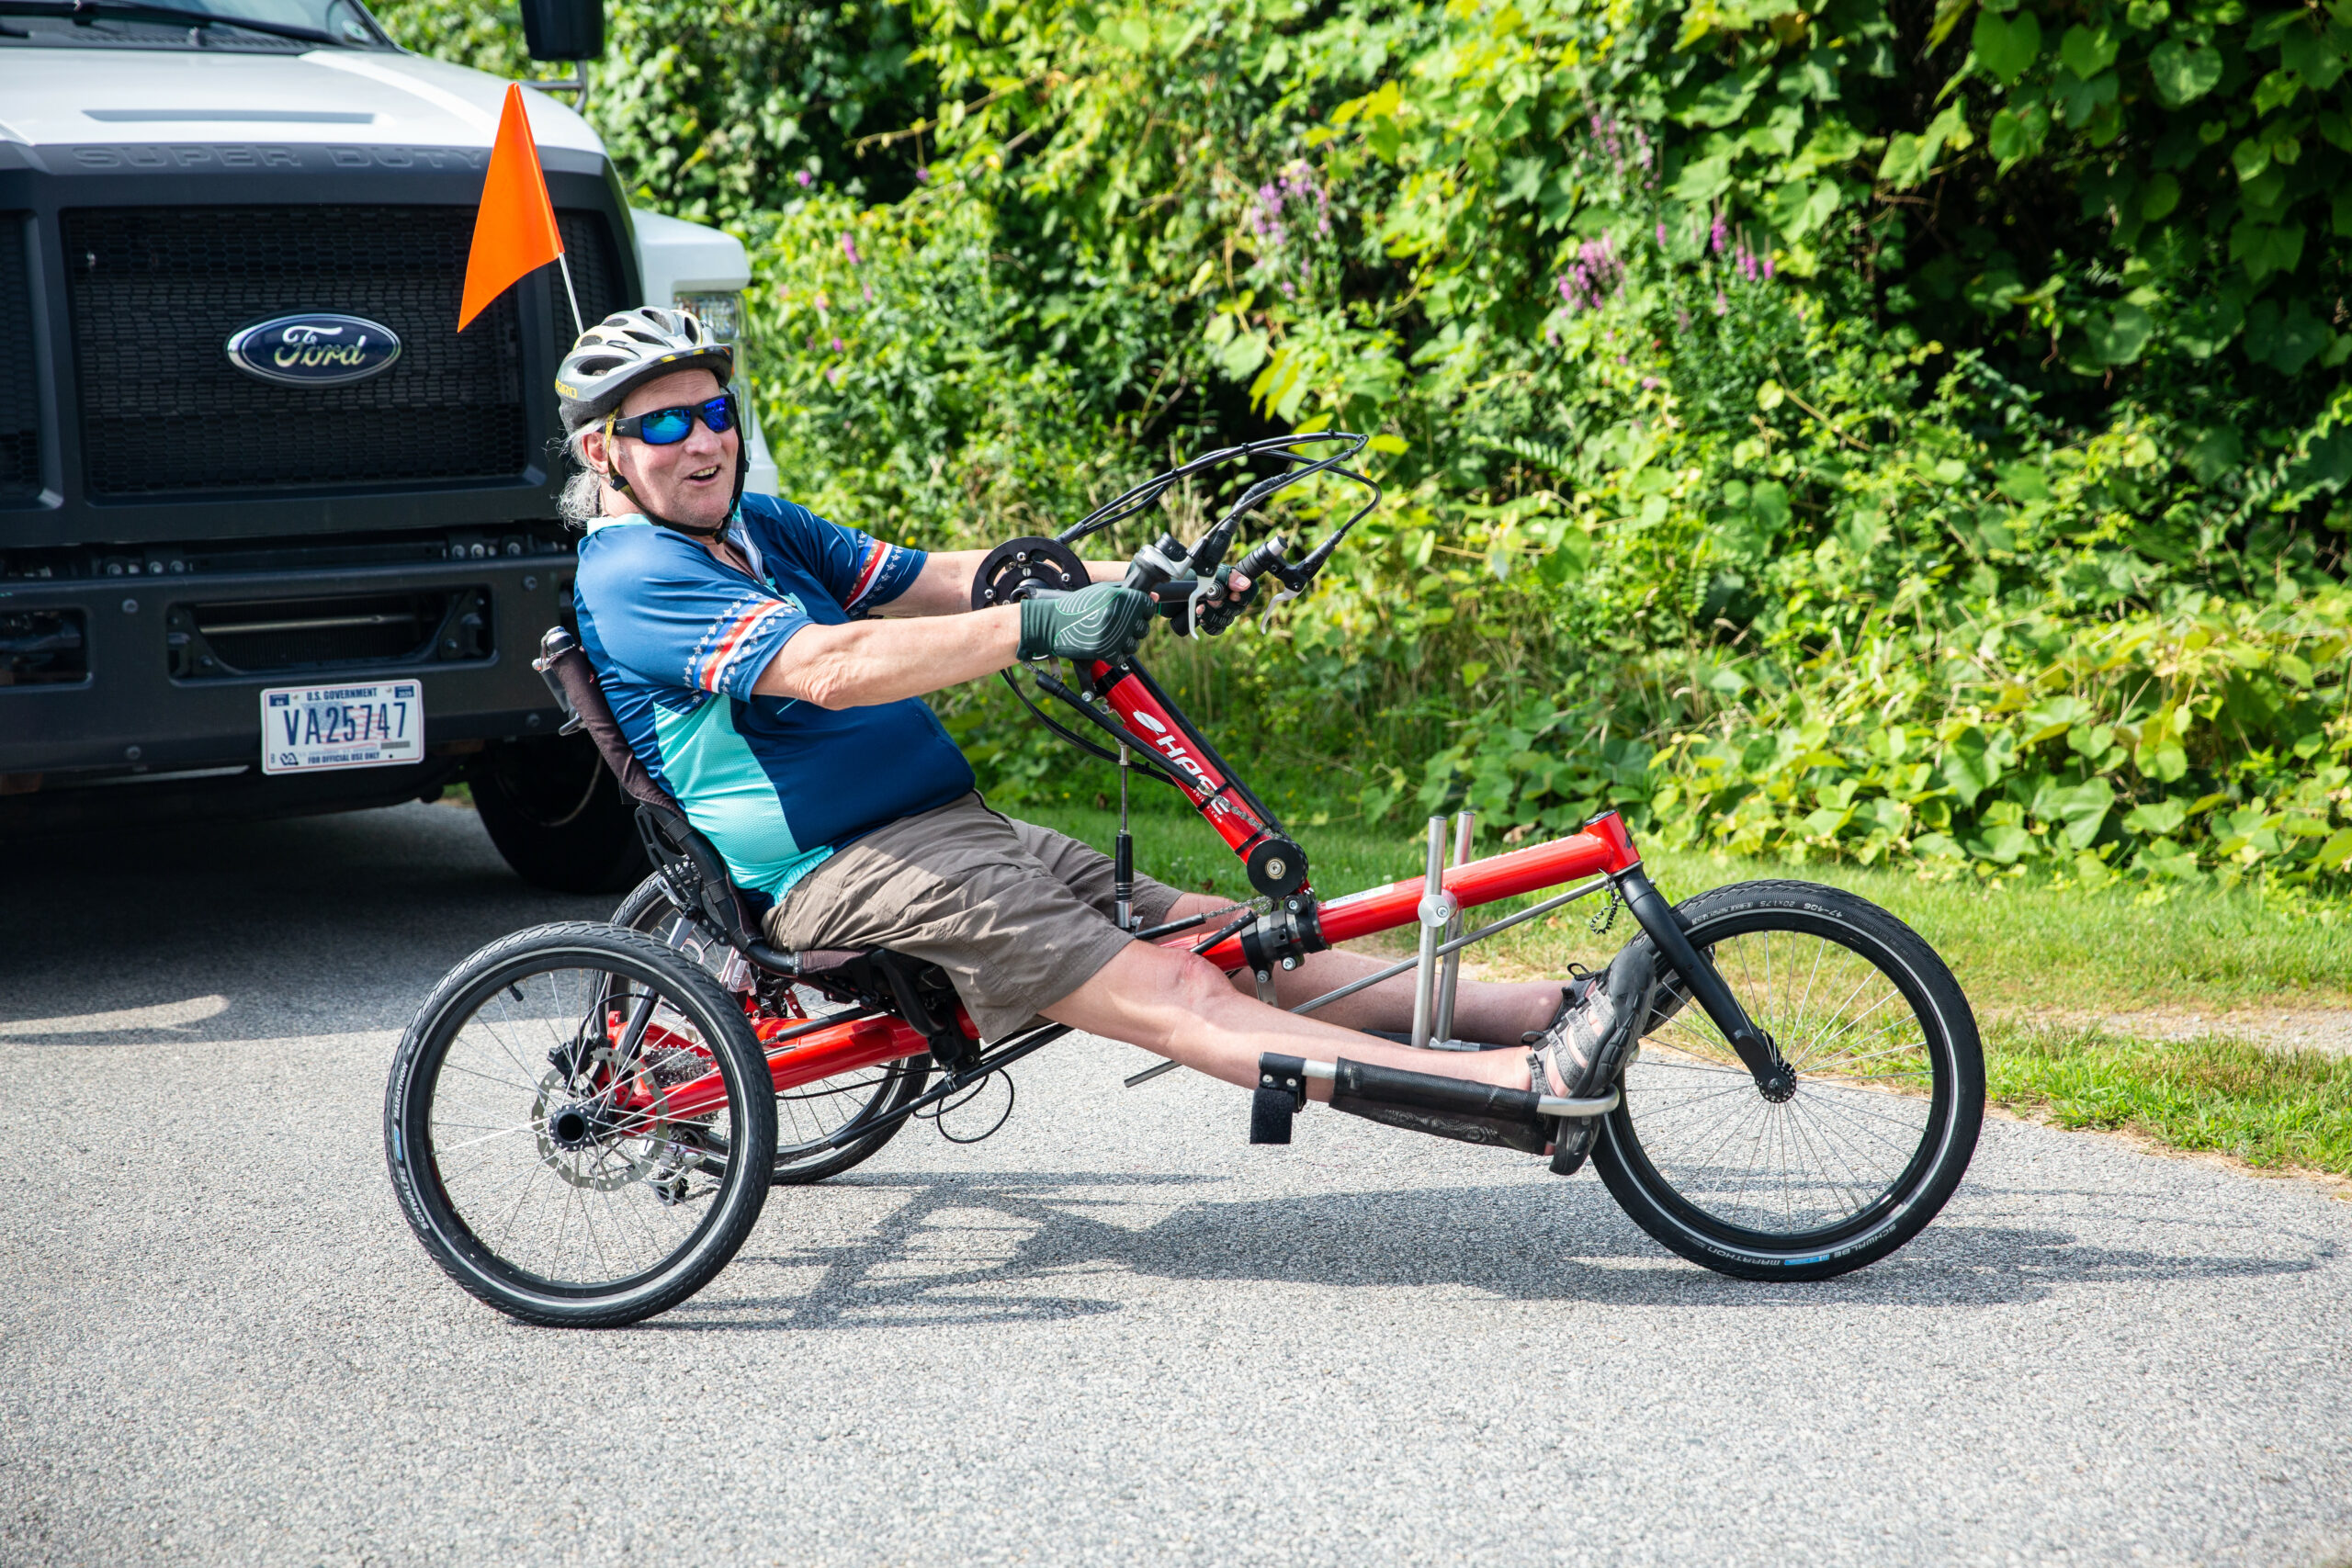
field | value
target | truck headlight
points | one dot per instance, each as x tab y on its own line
722	313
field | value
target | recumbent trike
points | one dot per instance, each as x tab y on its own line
584	1120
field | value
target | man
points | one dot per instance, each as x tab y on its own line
767	666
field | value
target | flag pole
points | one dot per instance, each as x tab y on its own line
578	327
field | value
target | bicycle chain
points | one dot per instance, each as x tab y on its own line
1600	924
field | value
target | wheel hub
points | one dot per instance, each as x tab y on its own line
1782	1087
572	1127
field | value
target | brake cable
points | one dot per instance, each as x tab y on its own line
1054	688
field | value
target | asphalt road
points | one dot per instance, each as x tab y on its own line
1113	1330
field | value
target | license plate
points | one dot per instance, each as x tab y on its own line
312	728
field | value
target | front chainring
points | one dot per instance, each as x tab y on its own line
1048	563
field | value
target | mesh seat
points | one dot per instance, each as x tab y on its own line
676	845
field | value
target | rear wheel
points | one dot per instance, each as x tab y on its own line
579	1126
1880	1123
809	1116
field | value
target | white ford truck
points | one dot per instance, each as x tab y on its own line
275	536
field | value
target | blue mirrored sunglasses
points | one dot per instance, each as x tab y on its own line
667	427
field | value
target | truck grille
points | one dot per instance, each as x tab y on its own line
158	291
19	403
595	273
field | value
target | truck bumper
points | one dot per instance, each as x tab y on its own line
134	713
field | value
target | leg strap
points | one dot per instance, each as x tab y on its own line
1282	1094
1443	1107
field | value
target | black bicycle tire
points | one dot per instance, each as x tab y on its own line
473	1264
907	1079
1956	1107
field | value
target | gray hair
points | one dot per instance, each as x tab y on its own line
583	500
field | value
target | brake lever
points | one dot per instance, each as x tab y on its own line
1266	621
1209	587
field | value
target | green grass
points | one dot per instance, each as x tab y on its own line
2032	959
2023	947
2257	1103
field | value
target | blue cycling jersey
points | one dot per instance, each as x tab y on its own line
678	641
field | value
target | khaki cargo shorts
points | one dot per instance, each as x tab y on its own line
1019	916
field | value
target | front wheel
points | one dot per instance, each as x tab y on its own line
1884	1114
579	1125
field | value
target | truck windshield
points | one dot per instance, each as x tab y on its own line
274	24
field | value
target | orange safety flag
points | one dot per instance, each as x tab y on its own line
515	232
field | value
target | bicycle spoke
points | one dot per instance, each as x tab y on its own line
1835	1149
626	1191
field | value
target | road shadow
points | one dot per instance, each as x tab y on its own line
1563	1242
321	924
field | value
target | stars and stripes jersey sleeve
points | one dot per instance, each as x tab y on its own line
674	616
860	572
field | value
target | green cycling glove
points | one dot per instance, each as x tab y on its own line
1101	620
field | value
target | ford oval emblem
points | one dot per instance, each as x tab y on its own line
314	349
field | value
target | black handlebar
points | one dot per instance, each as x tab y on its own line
1166	562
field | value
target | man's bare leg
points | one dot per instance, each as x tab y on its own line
1166	1001
1486	1011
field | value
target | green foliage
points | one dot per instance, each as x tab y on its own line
1889	431
717	108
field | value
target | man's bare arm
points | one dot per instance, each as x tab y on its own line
866	662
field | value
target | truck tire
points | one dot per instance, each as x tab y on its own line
557	815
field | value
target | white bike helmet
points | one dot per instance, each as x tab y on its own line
629	346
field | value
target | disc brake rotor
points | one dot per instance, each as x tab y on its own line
593	1144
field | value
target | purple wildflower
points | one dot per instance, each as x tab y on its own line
806	179
837	345
1594	273
1768	268
1269	216
849	248
1715	235
923	174
1661	236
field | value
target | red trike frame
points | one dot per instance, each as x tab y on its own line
1603	847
